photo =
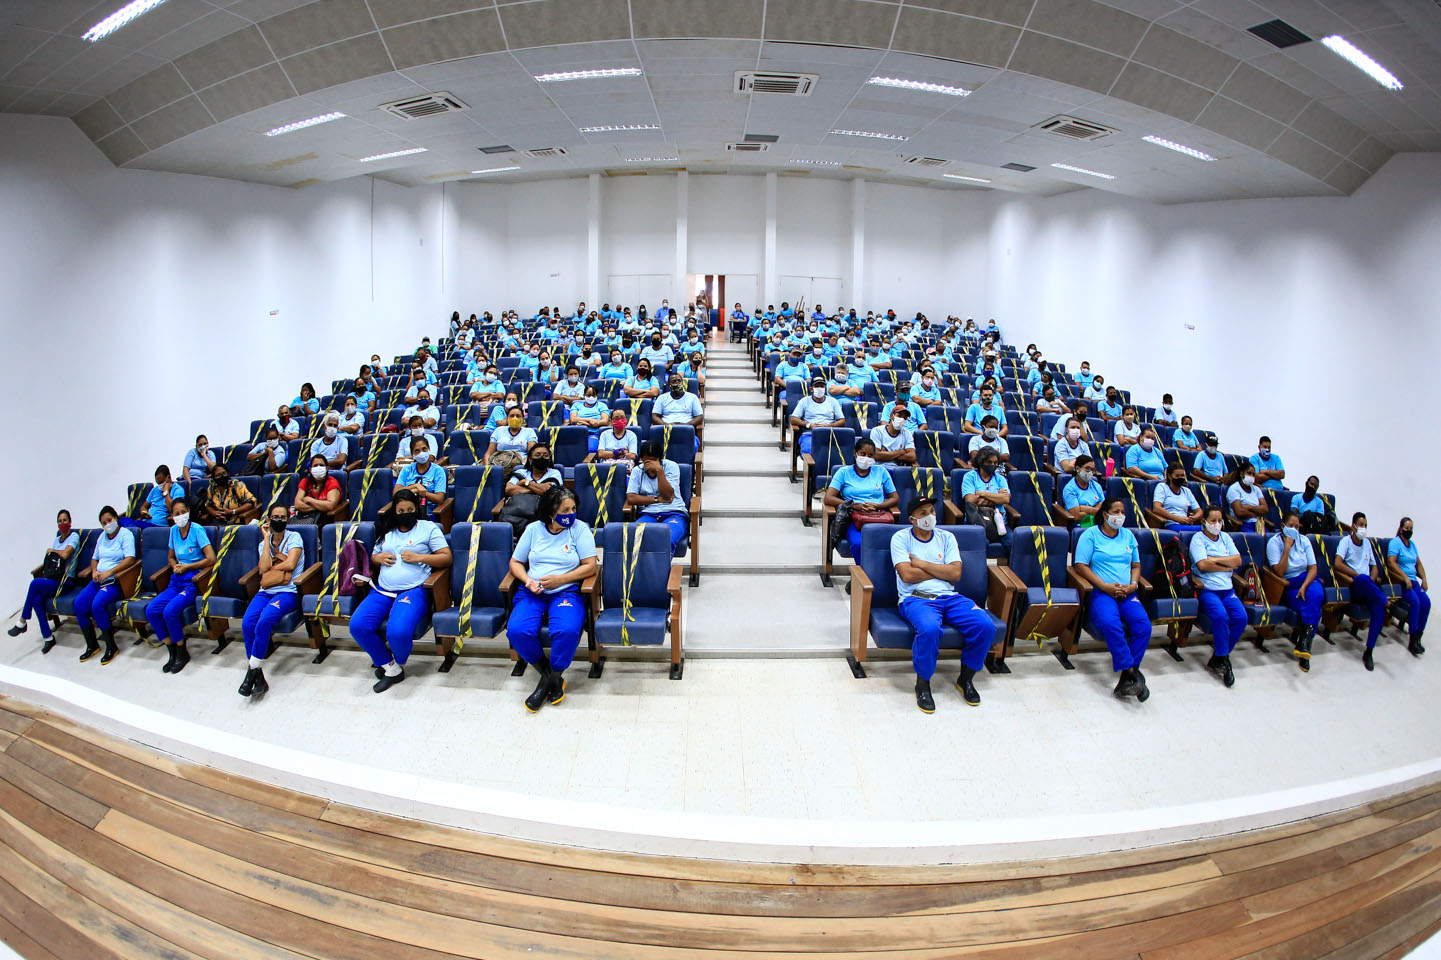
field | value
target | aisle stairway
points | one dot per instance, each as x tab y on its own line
760	588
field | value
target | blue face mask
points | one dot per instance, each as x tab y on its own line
423	457
565	520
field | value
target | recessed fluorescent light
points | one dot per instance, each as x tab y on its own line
869	133
396	153
822	163
505	169
302	124
959	176
1178	147
1361	61
1089	173
919	85
620	127
589	74
651	159
120	18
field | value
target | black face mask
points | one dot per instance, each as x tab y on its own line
540	465
278	526
677	391
220	481
1310	492
655	341
406	521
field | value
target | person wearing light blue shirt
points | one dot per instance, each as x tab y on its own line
791	367
657	353
1144	460
1095	389
915	416
818	409
1270	471
985	490
1082	494
1083	375
114	555
858	374
514	437
408	549
1070	447
1245	501
1356	569
927	562
987	406
1209	466
654	487
158	500
1108	558
1173	505
593	414
863	486
677	407
423	477
617	368
190	553
571	389
1214	558
1291	557
199	460
305	404
1403	562
333	445
280	555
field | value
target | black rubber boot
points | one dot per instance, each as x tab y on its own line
557	687
108	637
967	687
91	646
169	660
182	656
247	686
261	685
537	699
1228	676
1367	661
924	701
47	645
1143	692
1414	647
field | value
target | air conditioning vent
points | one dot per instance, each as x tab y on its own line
499	148
430	105
542	153
1278	33
773	137
748	147
927	161
1018	167
786	84
1074	129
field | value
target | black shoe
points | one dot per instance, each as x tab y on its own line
387	681
18	629
1126	686
261	686
924	700
182	657
92	647
170	661
1143	692
967	688
1366	660
247	686
1228	676
45	647
557	688
111	651
537	699
380	673
1414	647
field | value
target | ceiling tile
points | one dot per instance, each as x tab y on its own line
180	119
1161	91
1261	91
168	17
316	25
1370	154
196	33
98	120
696	18
1088	22
953	37
1323	126
1067	62
444	38
154	90
1181	56
247	92
1242	124
1231	40
1001	11
121	146
258	10
390	13
857	23
1347	177
17	43
227	57
1304	154
133	67
81	68
348	60
34	100
1293	74
45	59
70	104
547	22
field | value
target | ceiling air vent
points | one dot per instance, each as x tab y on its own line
773	137
748	147
429	105
1074	129
927	161
499	148
1018	167
787	84
542	153
1278	33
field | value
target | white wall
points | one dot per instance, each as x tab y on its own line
726	224
136	309
545	244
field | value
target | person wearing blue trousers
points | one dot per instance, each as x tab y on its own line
1404	562
1290	555
864	486
654	489
554	555
190	554
281	552
407	549
928	567
1214	558
114	555
1355	568
1109	559
43	589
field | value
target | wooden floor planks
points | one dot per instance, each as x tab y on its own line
109	849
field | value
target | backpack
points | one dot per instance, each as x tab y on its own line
1177	567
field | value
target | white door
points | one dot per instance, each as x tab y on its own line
621	289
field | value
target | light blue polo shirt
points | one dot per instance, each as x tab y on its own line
975	413
1406	556
616	371
550	476
566	389
874	487
424	537
1109	558
109	551
915	416
1110	409
1203	548
1180	437
1209	465
785	370
1149	461
593	410
1064	451
1274	463
155	500
516	443
673	410
1073	496
881	437
1299	553
625	442
815	414
974	484
940	548
330	449
642	383
290	540
922	393
645	485
1237	493
858	375
433	479
1300	504
189	548
549	554
1181	504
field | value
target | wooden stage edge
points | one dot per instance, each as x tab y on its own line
111	849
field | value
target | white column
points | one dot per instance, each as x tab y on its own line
592	243
858	245
682	241
769	281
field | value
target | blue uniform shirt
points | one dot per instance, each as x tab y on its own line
974	484
1300	504
567	389
645	485
915	419
549	554
1182	437
109	551
1209	465
1298	550
189	548
1274	463
591	410
1203	548
517	443
290	540
330	449
813	414
433	479
677	410
940	548
1073	496
1109	409
975	413
874	487
1149	461
424	537
1109	558
1406	556
1181	504
616	371
196	465
642	383
155	501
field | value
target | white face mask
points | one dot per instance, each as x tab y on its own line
1073	434
416	431
898	422
864	462
572	380
182	519
1085	475
1247	481
330	433
1360	532
111	527
990	433
203	447
318	472
926	523
1115	520
1292	532
1213	528
1147	443
819	393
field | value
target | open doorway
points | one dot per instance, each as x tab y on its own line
721	292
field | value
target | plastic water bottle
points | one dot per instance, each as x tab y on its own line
1110	467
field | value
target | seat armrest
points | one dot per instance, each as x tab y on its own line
673	582
445	513
952	511
508	583
161	578
309	581
250	581
128	580
1275	586
587	586
861	593
438	585
1075	581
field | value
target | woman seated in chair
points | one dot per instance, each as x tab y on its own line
306	404
864	488
114	555
514	437
281	553
407	550
554	556
317	496
1292	558
46	583
1404	563
592	413
190	553
1109	559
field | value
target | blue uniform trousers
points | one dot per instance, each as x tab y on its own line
1364	591
261	616
401	616
1420	605
40	591
564	612
1308	606
926	617
163	612
678	522
92	605
1227	616
1124	626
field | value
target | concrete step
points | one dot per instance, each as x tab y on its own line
783	612
736	545
752	493
738	414
750	431
744	471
